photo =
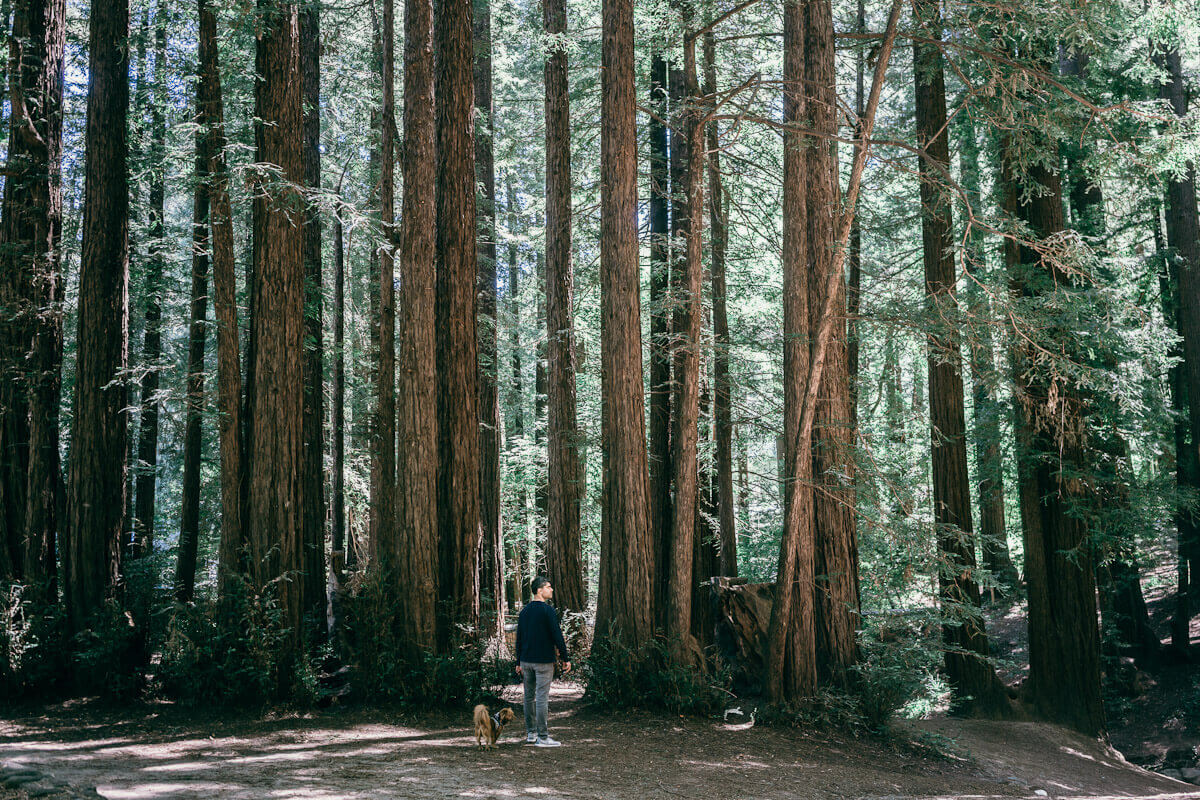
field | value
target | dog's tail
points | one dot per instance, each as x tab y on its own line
481	707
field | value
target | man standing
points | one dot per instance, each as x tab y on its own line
538	636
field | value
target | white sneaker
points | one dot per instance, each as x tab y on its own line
530	738
546	741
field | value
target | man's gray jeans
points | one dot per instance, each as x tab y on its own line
537	696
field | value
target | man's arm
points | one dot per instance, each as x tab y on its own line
559	642
520	617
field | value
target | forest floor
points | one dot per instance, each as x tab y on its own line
160	751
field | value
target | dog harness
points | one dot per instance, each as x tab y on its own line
496	721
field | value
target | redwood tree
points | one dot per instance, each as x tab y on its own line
313	474
146	472
275	461
31	291
836	551
622	614
491	566
96	486
189	513
385	544
417	503
972	677
564	546
457	364
722	386
1064	653
791	655
229	381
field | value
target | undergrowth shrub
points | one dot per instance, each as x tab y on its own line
231	652
387	669
33	655
898	669
618	676
108	655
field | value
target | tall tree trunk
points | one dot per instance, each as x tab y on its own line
622	613
660	331
147	448
275	461
516	417
31	290
722	386
96	484
541	492
1183	237
1187	468
338	423
989	480
688	319
491	565
1122	604
836	550
564	546
854	257
458	366
972	677
189	514
385	543
791	656
231	552
313	429
417	506
1064	666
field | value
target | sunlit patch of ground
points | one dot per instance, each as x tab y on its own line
160	753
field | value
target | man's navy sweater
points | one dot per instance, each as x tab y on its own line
538	634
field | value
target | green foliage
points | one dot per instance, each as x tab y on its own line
649	677
898	668
32	642
388	669
229	652
107	655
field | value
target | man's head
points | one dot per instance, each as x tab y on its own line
542	589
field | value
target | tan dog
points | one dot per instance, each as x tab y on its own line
488	726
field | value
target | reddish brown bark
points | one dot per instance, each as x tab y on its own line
229	382
491	567
458	392
275	458
1064	668
972	677
146	466
313	478
791	656
96	485
722	386
659	434
189	513
416	508
686	367
385	542
564	547
623	611
31	292
1183	237
836	551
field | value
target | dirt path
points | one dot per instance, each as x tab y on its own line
161	752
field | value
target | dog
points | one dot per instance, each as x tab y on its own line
488	726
